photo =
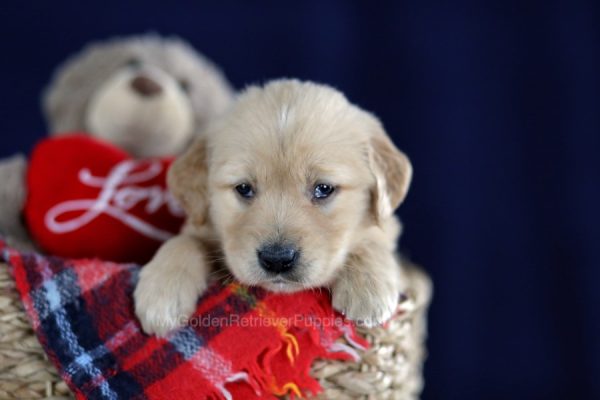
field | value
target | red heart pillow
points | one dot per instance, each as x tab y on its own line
88	198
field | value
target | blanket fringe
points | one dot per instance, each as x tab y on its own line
237	377
343	348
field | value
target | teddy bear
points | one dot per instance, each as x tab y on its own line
148	95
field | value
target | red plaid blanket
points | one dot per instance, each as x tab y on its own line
242	343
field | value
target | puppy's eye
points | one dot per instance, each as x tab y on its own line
322	191
245	190
134	63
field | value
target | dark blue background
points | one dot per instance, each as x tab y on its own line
497	104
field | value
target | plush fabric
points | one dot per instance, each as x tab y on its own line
88	198
263	345
12	198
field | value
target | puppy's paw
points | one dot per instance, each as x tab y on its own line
163	301
370	305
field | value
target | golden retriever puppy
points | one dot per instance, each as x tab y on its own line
294	188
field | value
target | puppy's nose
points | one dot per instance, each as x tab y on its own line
145	86
277	258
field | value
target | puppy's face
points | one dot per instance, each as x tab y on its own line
291	180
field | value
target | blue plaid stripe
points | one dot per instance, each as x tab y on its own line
55	293
84	368
71	333
187	342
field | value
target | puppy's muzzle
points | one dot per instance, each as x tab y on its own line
278	258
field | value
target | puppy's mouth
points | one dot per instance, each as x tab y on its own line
281	284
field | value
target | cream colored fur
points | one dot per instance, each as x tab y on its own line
146	126
91	92
284	138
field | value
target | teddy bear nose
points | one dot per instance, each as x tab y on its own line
145	86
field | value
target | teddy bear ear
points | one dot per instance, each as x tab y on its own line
66	96
63	114
187	180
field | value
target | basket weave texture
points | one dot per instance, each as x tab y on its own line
390	369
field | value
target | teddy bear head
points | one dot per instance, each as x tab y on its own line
149	95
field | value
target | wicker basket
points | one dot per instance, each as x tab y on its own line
391	369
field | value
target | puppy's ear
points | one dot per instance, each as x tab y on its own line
393	173
187	181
